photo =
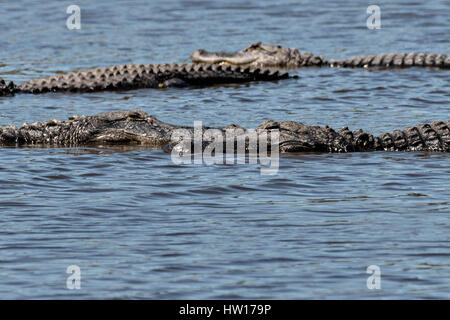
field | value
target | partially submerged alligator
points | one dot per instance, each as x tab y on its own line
139	128
262	55
255	63
128	77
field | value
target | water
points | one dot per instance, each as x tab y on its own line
140	226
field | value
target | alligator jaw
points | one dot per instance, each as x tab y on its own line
236	58
257	55
260	55
126	137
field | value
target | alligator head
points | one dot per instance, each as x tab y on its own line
260	55
125	127
115	127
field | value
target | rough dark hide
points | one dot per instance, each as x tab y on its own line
139	128
128	77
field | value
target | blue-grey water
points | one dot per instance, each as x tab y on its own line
140	226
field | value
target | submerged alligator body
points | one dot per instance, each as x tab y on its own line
255	63
139	128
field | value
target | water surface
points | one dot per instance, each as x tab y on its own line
140	226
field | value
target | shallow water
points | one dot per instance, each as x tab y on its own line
140	226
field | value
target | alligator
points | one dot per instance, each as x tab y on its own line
263	55
254	63
132	76
137	128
